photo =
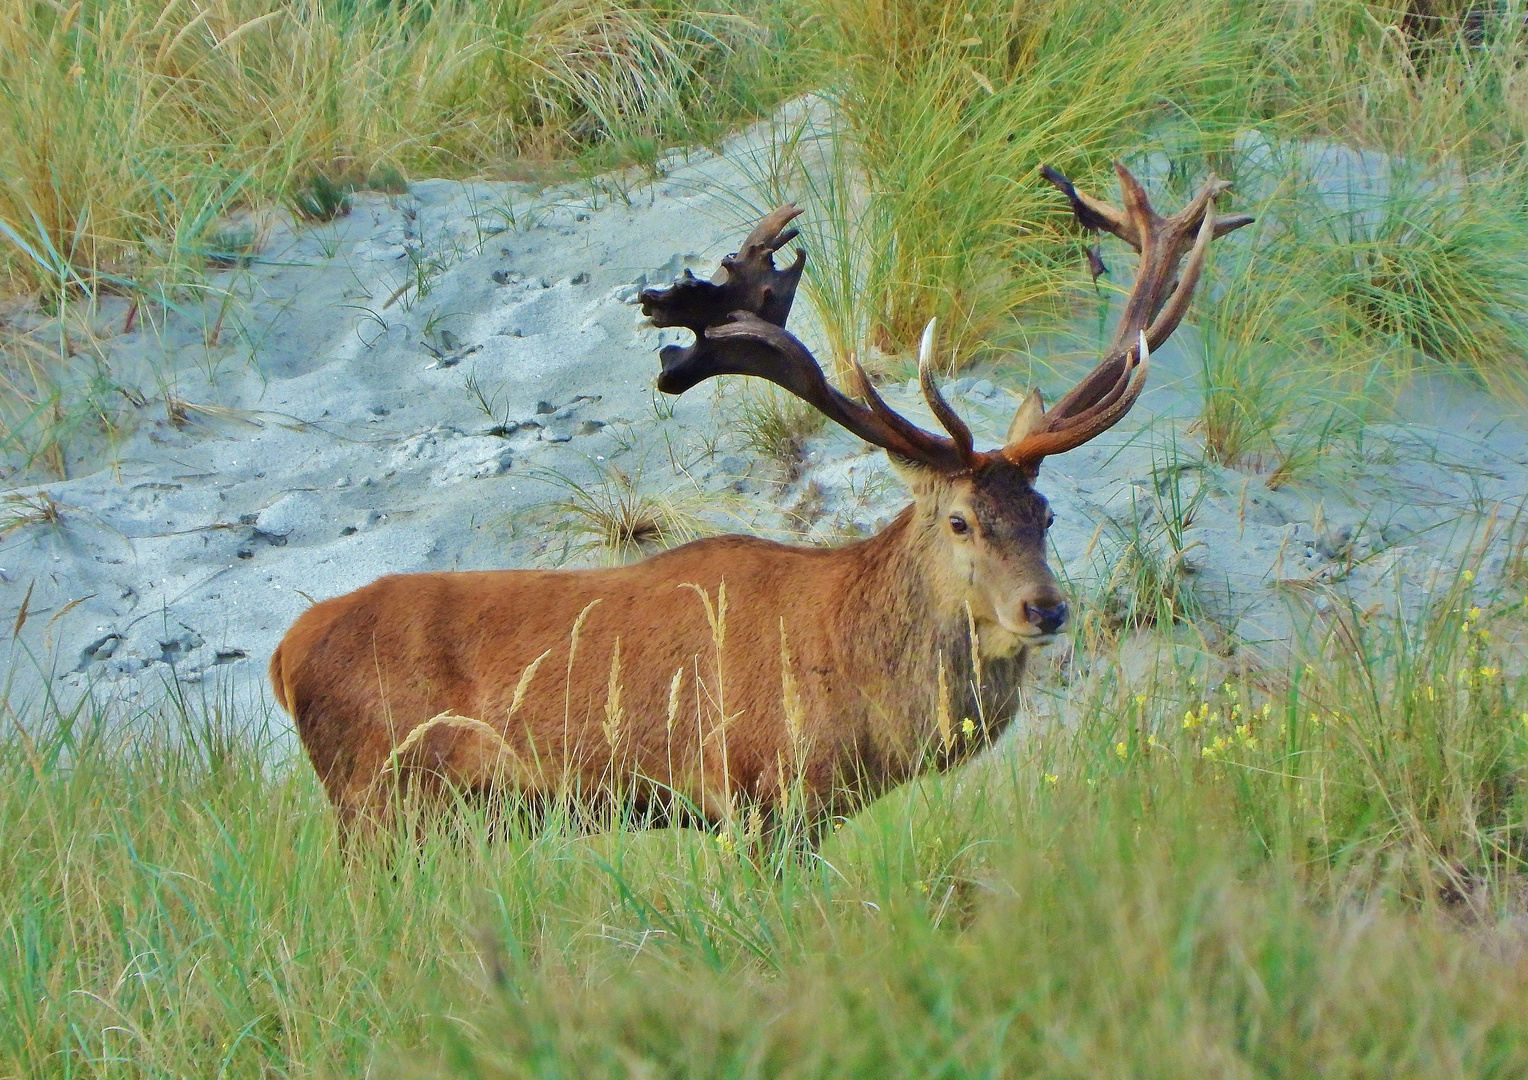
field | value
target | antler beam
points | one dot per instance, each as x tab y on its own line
739	323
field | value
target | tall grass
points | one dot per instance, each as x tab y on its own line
133	129
131	125
1309	869
947	112
129	131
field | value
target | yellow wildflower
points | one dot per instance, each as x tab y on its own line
1121	749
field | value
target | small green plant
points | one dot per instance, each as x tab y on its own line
772	423
614	518
1436	271
318	199
1149	580
233	245
662	406
58	398
387	178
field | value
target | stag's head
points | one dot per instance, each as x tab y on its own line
978	516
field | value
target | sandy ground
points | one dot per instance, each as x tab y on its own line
330	436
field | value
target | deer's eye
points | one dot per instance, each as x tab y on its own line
958	524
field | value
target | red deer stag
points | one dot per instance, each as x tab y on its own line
732	669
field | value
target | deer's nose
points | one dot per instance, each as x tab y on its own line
1046	619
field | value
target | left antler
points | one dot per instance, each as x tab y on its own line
747	280
739	322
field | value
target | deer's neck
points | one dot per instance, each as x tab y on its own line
901	621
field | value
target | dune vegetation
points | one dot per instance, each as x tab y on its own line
1180	866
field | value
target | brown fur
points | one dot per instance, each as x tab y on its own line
866	628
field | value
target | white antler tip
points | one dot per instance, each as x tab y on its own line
1143	352
926	346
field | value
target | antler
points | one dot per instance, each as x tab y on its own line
747	280
1157	303
739	322
748	345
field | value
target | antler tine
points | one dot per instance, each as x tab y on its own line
1094	214
960	434
770	234
1172	312
1031	449
1159	258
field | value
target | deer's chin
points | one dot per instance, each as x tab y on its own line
1002	640
999	641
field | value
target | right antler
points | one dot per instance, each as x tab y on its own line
739	324
1157	303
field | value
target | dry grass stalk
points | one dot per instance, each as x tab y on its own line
676	684
946	723
976	667
613	715
524	684
795	709
716	618
567	693
446	719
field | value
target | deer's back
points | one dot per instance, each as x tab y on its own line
363	671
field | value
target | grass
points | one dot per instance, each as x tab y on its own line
1146	579
131	133
133	126
614	518
771	423
1309	869
140	132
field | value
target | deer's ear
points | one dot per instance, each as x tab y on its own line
1028	416
922	479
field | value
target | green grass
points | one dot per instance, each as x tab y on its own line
1306	870
129	132
772	424
614	517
